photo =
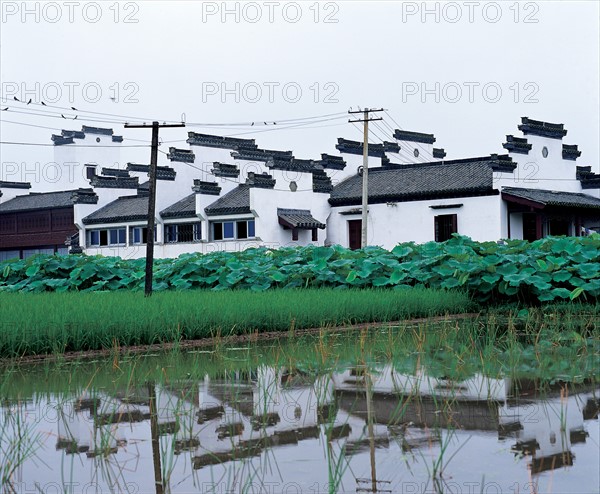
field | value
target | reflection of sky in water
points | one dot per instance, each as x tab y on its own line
276	424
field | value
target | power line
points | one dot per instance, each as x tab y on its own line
119	146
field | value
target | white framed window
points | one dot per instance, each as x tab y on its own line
229	230
106	237
138	235
183	233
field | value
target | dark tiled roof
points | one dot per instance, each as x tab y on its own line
14	185
123	209
517	145
186	208
588	179
114	172
225	170
76	134
182	155
321	182
458	178
96	130
407	135
236	201
144	189
298	218
293	164
553	198
162	172
439	153
61	140
117	138
391	147
49	200
262	180
543	129
114	182
570	152
261	154
207	188
332	162
211	141
356	147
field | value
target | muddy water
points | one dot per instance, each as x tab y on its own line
344	426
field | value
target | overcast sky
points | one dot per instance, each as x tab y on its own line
464	71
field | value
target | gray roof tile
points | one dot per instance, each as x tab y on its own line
185	208
458	178
298	218
553	198
237	201
123	209
407	135
49	200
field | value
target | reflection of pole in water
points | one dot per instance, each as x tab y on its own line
158	483
370	429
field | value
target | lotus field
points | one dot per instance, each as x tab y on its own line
551	269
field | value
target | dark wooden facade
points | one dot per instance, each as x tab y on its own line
38	229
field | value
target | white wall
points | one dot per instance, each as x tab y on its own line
478	218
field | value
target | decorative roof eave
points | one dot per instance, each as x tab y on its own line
14	185
356	147
76	134
261	154
542	129
332	162
439	153
115	172
96	130
590	183
84	196
385	198
557	199
229	211
407	135
162	172
117	138
61	140
115	219
570	152
225	170
587	178
293	164
114	182
502	163
517	145
206	188
298	219
211	141
181	155
261	181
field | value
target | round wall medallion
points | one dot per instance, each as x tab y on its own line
97	139
293	186
416	153
545	152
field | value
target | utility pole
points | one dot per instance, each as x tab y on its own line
365	182
151	199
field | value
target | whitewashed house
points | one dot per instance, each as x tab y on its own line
226	193
534	191
223	194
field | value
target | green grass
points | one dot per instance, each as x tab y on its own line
41	323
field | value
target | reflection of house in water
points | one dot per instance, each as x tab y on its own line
547	430
242	414
423	401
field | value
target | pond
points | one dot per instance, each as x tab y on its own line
332	413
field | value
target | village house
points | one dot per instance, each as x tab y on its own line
226	193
